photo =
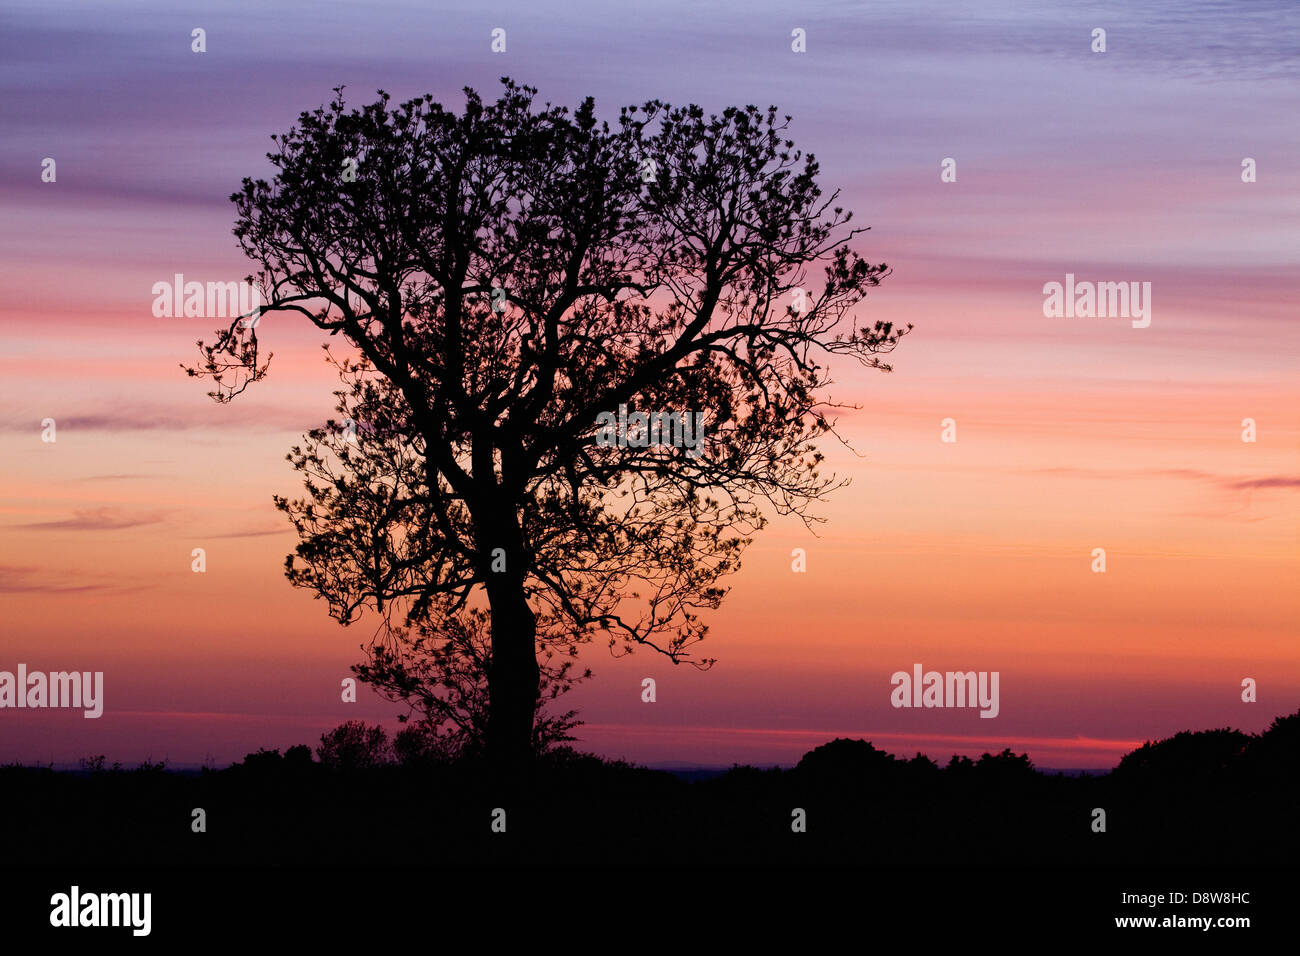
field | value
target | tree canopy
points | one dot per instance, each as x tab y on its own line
509	280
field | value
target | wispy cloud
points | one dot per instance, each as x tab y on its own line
260	533
1277	481
92	519
1226	482
155	419
15	579
203	415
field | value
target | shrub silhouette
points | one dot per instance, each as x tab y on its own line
93	764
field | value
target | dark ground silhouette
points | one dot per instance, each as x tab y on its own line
1216	797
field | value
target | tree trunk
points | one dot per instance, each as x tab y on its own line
513	675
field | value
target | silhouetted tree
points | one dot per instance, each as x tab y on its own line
921	771
299	755
419	744
509	280
1275	754
848	764
1004	769
354	745
960	768
923	764
1185	756
263	761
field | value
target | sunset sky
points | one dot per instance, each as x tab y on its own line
1072	434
